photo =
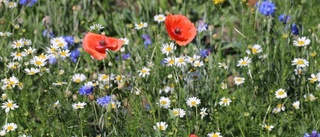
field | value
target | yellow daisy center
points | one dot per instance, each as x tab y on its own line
168	49
39	63
105	77
143	71
163	102
10	128
171	62
193	103
301	42
281	93
215	135
225	101
9	105
161	127
175	113
243	63
300	62
254	50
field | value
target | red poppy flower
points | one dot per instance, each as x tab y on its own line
193	135
96	45
180	29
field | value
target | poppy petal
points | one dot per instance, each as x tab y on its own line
180	29
92	46
114	44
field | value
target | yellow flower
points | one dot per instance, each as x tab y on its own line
217	1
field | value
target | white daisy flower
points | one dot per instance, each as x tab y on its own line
96	26
299	62
309	97
214	134
10	127
59	41
302	41
244	62
56	104
64	53
78	105
279	108
126	41
160	126
17	44
141	25
223	65
178	112
38	61
29	51
144	71
164	102
168	48
203	112
198	63
239	80
313	78
169	61
77	78
9	105
255	49
269	128
193	58
281	93
17	55
3	132
180	61
296	105
159	18
32	71
225	101
193	102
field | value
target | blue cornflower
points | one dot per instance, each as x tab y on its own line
124	56
147	40
69	39
48	33
52	59
74	55
267	8
284	18
294	29
202	26
28	2
103	101
86	89
205	53
314	133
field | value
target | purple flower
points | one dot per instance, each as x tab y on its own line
266	8
205	53
86	90
52	59
28	2
314	133
103	101
147	40
202	26
284	18
124	56
295	29
69	39
48	33
74	55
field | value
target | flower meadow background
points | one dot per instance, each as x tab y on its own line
252	69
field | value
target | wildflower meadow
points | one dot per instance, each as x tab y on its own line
159	68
